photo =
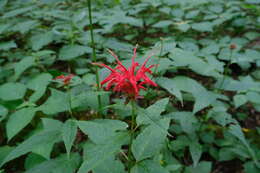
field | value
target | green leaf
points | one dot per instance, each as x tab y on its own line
196	152
250	167
29	144
25	26
60	164
41	39
110	165
253	97
202	26
22	65
152	114
69	132
33	160
18	120
18	11
203	98
183	26
187	121
7	45
52	124
44	149
4	151
39	85
148	166
237	132
163	24
150	140
202	167
100	131
170	86
88	98
7	91
239	100
213	48
70	52
96	155
187	58
40	81
3	112
57	102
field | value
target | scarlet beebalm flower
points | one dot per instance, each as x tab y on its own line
128	81
65	79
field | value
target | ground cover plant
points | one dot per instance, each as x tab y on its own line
137	86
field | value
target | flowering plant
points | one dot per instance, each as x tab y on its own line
128	80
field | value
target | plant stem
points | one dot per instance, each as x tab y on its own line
160	55
132	131
94	57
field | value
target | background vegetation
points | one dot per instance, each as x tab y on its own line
204	116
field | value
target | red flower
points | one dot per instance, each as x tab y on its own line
65	79
130	80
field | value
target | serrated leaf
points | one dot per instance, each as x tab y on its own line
150	140
69	132
31	143
7	91
99	131
18	120
70	52
96	155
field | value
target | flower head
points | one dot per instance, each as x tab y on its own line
128	80
65	79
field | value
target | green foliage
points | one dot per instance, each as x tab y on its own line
202	116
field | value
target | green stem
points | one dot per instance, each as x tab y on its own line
160	55
132	132
94	57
